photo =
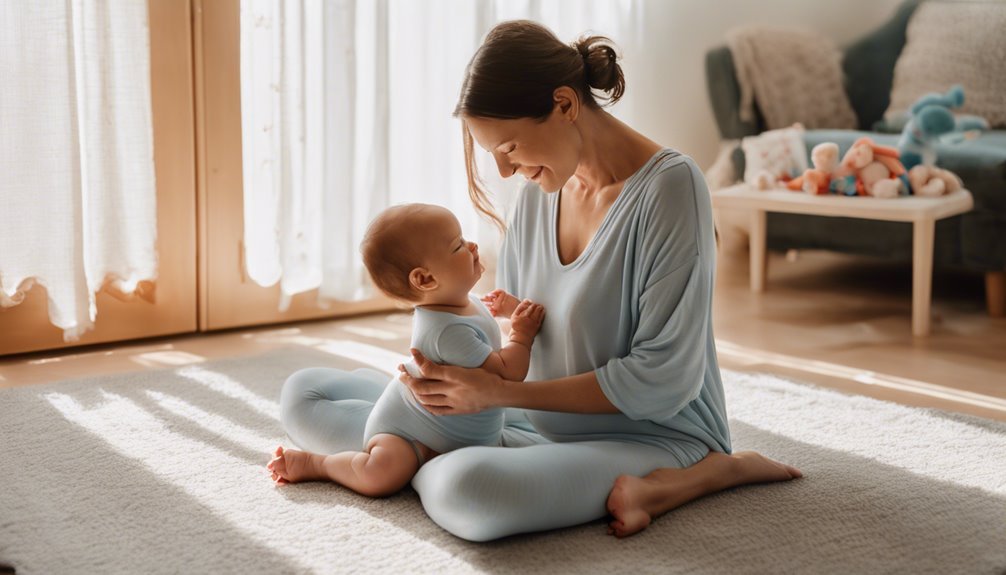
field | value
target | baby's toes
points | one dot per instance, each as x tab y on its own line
278	466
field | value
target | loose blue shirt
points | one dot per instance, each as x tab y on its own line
635	307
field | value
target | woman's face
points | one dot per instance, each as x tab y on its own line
546	153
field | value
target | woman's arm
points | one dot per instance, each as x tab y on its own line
452	390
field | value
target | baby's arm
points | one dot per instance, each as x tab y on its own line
512	361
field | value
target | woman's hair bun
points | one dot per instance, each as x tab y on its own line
601	69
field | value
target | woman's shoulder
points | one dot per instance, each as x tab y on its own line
673	180
670	171
674	204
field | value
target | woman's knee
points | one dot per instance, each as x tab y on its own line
462	491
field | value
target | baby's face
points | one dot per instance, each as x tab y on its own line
452	259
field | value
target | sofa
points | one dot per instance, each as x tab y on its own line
973	241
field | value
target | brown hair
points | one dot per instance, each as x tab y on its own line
388	259
514	74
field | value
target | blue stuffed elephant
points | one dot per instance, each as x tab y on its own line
931	120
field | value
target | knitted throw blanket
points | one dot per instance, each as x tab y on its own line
795	76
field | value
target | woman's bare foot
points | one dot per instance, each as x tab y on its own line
627	502
635	501
756	468
291	466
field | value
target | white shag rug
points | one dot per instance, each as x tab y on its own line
163	472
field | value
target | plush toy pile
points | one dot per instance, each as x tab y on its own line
868	169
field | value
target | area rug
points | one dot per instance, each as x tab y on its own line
163	472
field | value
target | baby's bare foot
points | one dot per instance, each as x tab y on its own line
291	466
626	505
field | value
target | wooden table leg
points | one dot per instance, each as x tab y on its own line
922	274
756	247
995	293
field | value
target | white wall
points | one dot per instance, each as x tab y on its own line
666	95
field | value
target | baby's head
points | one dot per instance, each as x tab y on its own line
415	253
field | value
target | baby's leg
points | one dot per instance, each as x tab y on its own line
325	409
385	467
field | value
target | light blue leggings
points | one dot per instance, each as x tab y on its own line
476	493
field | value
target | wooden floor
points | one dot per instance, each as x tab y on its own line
833	320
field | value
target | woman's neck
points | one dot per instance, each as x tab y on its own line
611	152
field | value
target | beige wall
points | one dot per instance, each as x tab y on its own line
669	95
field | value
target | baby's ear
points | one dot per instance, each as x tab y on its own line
422	280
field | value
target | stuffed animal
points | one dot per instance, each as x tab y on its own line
931	120
930	181
877	169
817	180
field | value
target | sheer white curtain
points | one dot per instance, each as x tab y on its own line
76	154
346	109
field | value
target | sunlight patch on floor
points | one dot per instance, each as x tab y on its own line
242	494
60	358
106	353
166	358
231	388
890	433
271	332
304	340
371	332
216	424
751	356
402	318
376	357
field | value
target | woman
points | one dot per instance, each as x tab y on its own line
623	411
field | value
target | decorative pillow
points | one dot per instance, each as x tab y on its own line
774	155
955	43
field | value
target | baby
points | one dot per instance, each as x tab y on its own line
415	253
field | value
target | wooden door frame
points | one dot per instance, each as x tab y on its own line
168	306
228	297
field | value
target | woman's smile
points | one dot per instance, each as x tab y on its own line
537	174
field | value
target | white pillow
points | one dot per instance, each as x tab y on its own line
954	43
774	155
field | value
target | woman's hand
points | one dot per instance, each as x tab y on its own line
451	390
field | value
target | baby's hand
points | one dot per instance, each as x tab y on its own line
526	321
500	303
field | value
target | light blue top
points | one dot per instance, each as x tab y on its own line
635	307
451	339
